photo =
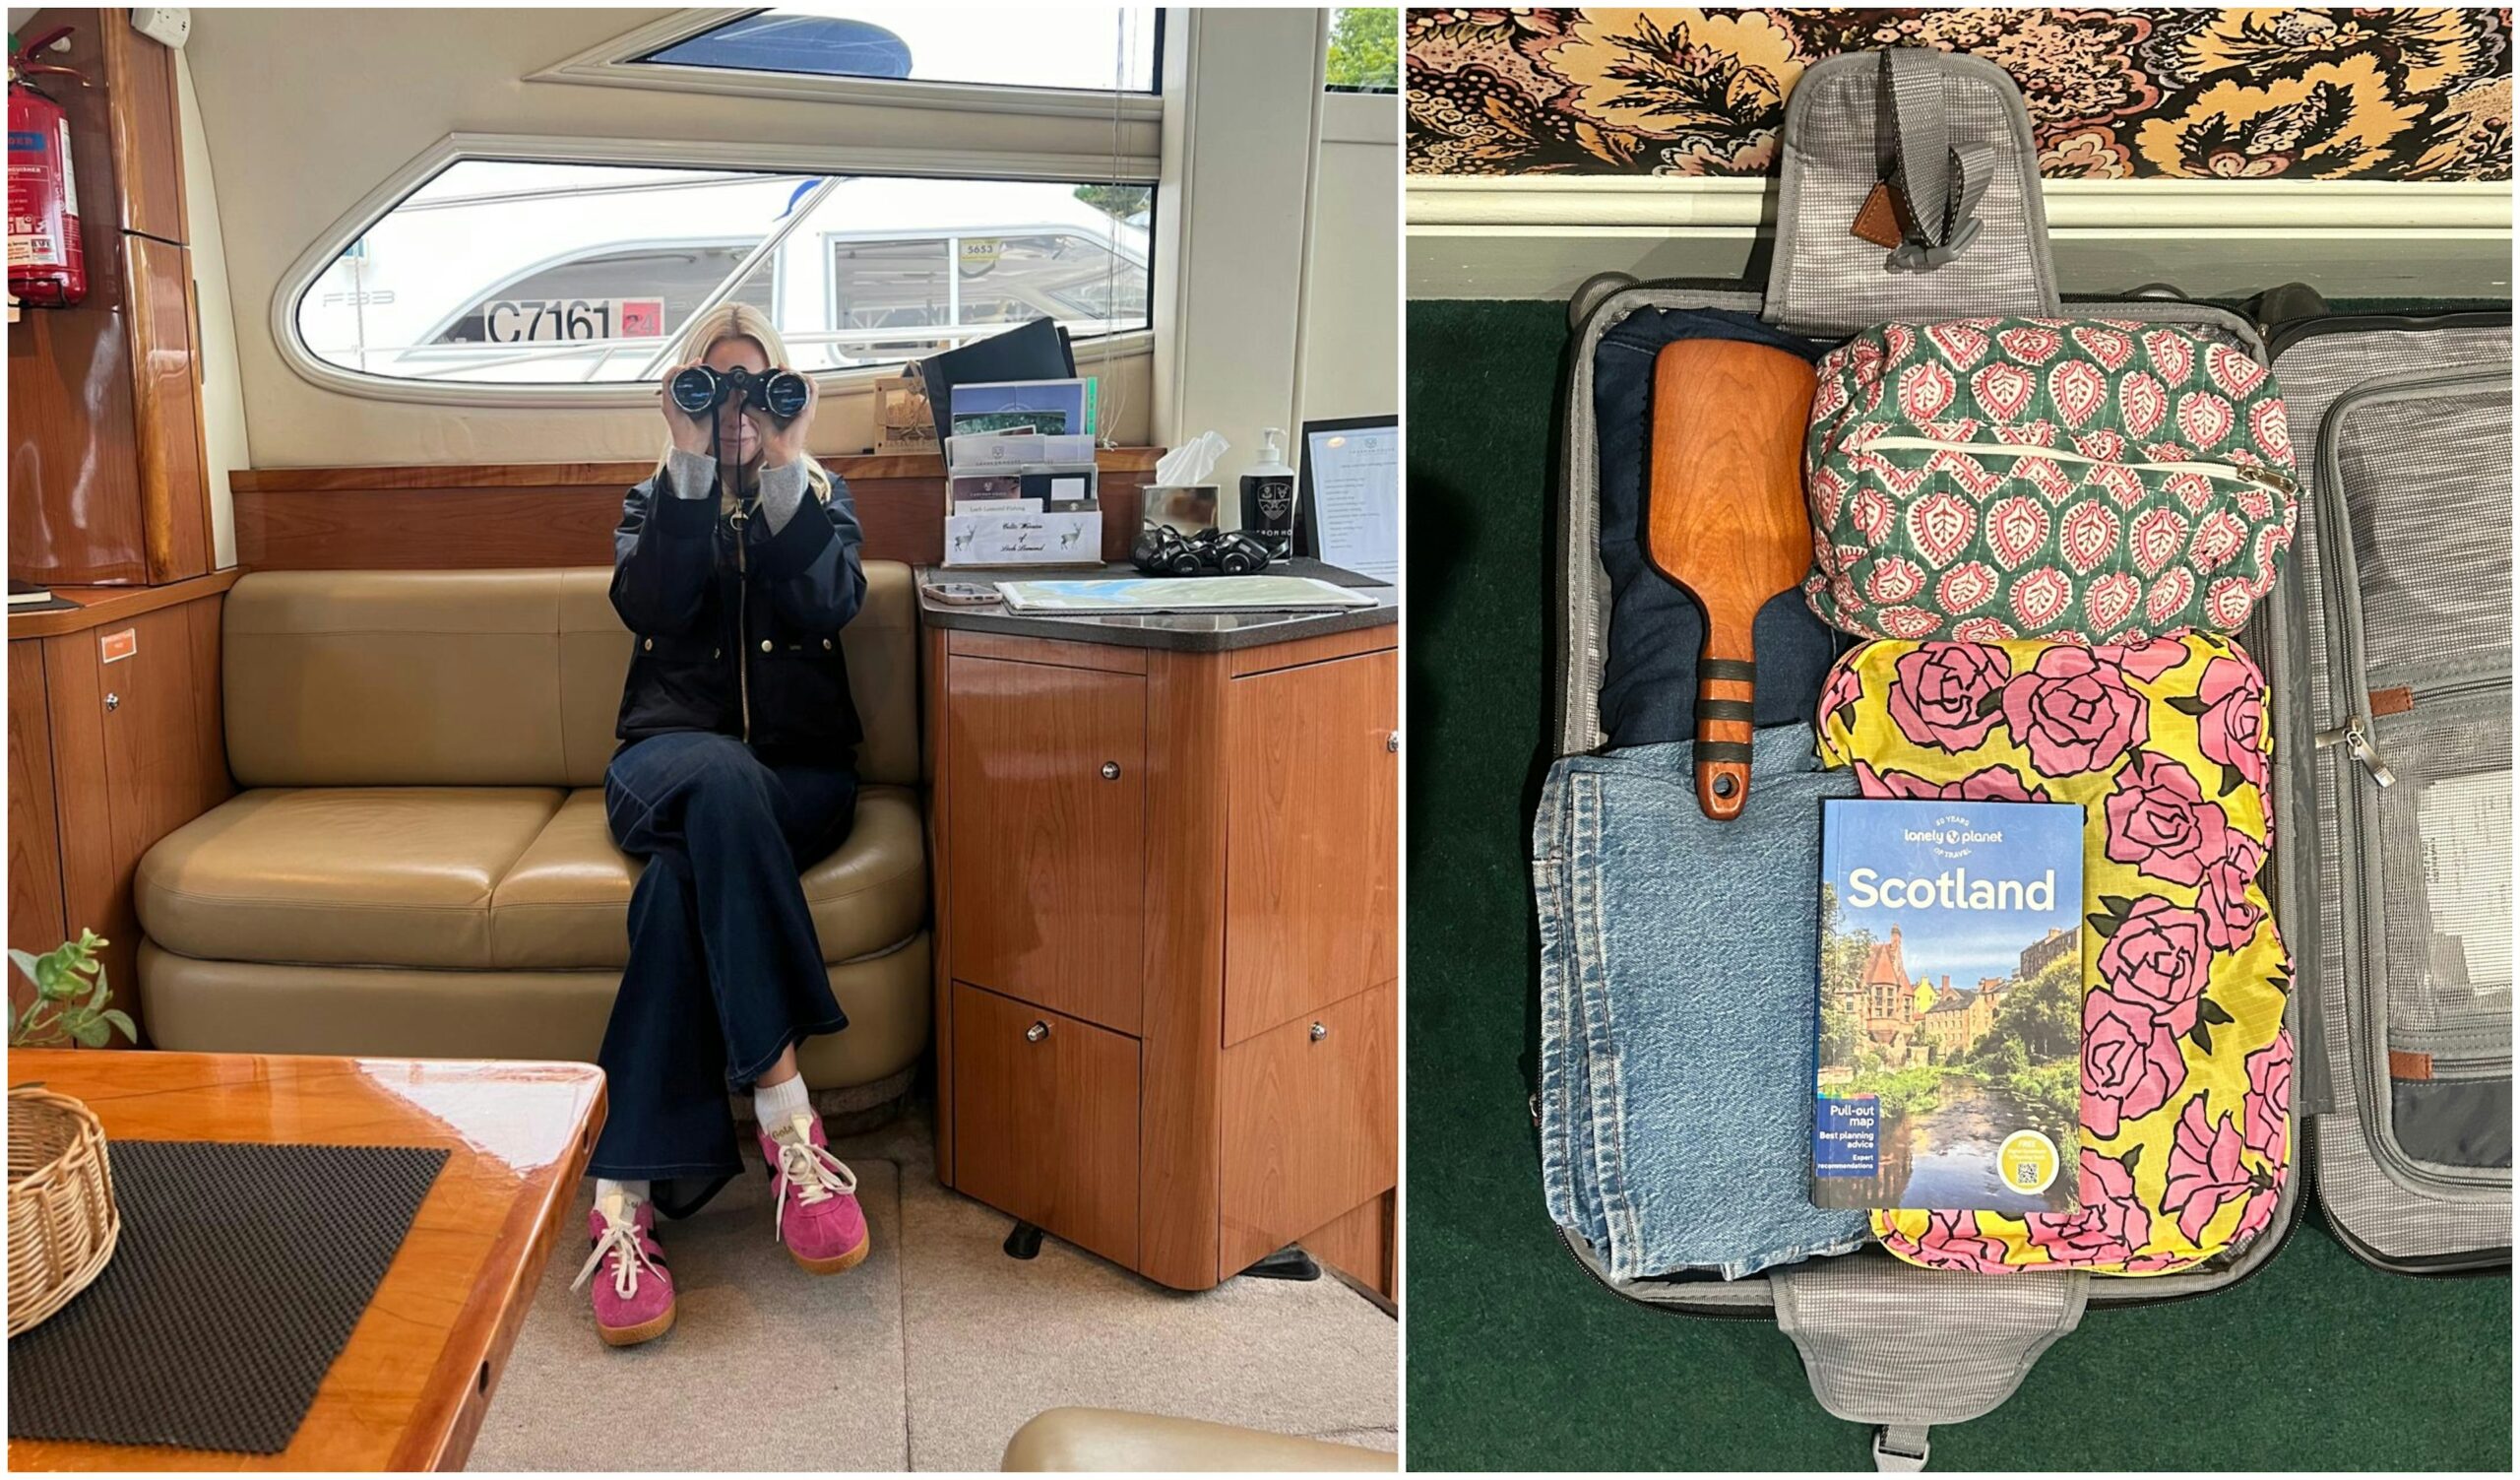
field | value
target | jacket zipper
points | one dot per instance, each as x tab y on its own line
2247	473
744	635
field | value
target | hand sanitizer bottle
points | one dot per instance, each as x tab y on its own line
1268	496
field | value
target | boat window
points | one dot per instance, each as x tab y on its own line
1053	46
518	274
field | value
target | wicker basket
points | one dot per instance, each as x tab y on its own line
62	1222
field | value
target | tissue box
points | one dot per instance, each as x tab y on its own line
1188	509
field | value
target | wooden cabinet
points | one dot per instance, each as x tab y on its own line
108	481
1313	860
1048	844
1048	1111
115	740
1156	873
1310	1114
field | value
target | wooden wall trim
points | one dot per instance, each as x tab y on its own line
516	515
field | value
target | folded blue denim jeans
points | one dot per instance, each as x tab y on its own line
1679	962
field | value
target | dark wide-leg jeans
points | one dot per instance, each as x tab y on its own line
726	972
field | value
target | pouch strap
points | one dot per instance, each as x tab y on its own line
1888	1344
1941	184
1901	1448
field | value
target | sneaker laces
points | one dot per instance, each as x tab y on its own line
812	1171
620	1239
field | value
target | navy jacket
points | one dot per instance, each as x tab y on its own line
736	629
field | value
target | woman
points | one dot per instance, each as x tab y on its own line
735	566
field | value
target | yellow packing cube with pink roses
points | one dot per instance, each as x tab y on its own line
2186	1061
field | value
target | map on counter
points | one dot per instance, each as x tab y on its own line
1254	593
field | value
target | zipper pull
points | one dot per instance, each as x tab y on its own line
2358	746
2266	477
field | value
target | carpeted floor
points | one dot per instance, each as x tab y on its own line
1516	1358
927	1355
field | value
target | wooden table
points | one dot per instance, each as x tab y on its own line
409	1389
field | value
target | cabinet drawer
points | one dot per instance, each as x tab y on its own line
1312	852
1311	1125
1045	1119
1045	835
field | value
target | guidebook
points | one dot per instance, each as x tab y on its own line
1950	1024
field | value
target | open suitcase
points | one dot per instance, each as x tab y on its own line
2386	644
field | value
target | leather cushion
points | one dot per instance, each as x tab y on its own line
395	1012
487	678
504	878
1111	1439
353	875
566	903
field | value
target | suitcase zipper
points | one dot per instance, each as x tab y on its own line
2247	472
2358	744
2354	734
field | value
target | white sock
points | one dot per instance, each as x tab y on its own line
778	1105
631	1193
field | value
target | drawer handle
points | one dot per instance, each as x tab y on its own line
1391	742
1321	1031
1037	1031
1111	770
113	701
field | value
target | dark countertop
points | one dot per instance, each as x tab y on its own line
1171	631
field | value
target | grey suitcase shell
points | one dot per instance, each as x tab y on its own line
1901	1349
2400	665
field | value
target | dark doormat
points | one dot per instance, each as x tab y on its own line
238	1276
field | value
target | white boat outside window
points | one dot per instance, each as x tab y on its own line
515	273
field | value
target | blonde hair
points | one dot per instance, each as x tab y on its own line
733	319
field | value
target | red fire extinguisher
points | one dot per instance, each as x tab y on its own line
48	267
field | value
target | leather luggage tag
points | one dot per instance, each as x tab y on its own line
1883	219
2392	701
2405	1065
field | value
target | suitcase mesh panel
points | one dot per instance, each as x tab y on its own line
2445	879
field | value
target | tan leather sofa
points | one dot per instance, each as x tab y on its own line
1109	1439
418	864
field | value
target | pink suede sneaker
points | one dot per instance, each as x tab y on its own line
818	1217
634	1302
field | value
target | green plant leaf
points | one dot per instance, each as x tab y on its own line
97	998
121	1020
92	1033
24	960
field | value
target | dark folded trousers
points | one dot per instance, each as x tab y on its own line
726	972
1649	673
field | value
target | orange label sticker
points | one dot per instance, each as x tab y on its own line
120	645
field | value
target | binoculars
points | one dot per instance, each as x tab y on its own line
1162	551
700	389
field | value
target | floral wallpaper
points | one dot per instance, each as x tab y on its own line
2403	93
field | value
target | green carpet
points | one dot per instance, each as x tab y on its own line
1517	1360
